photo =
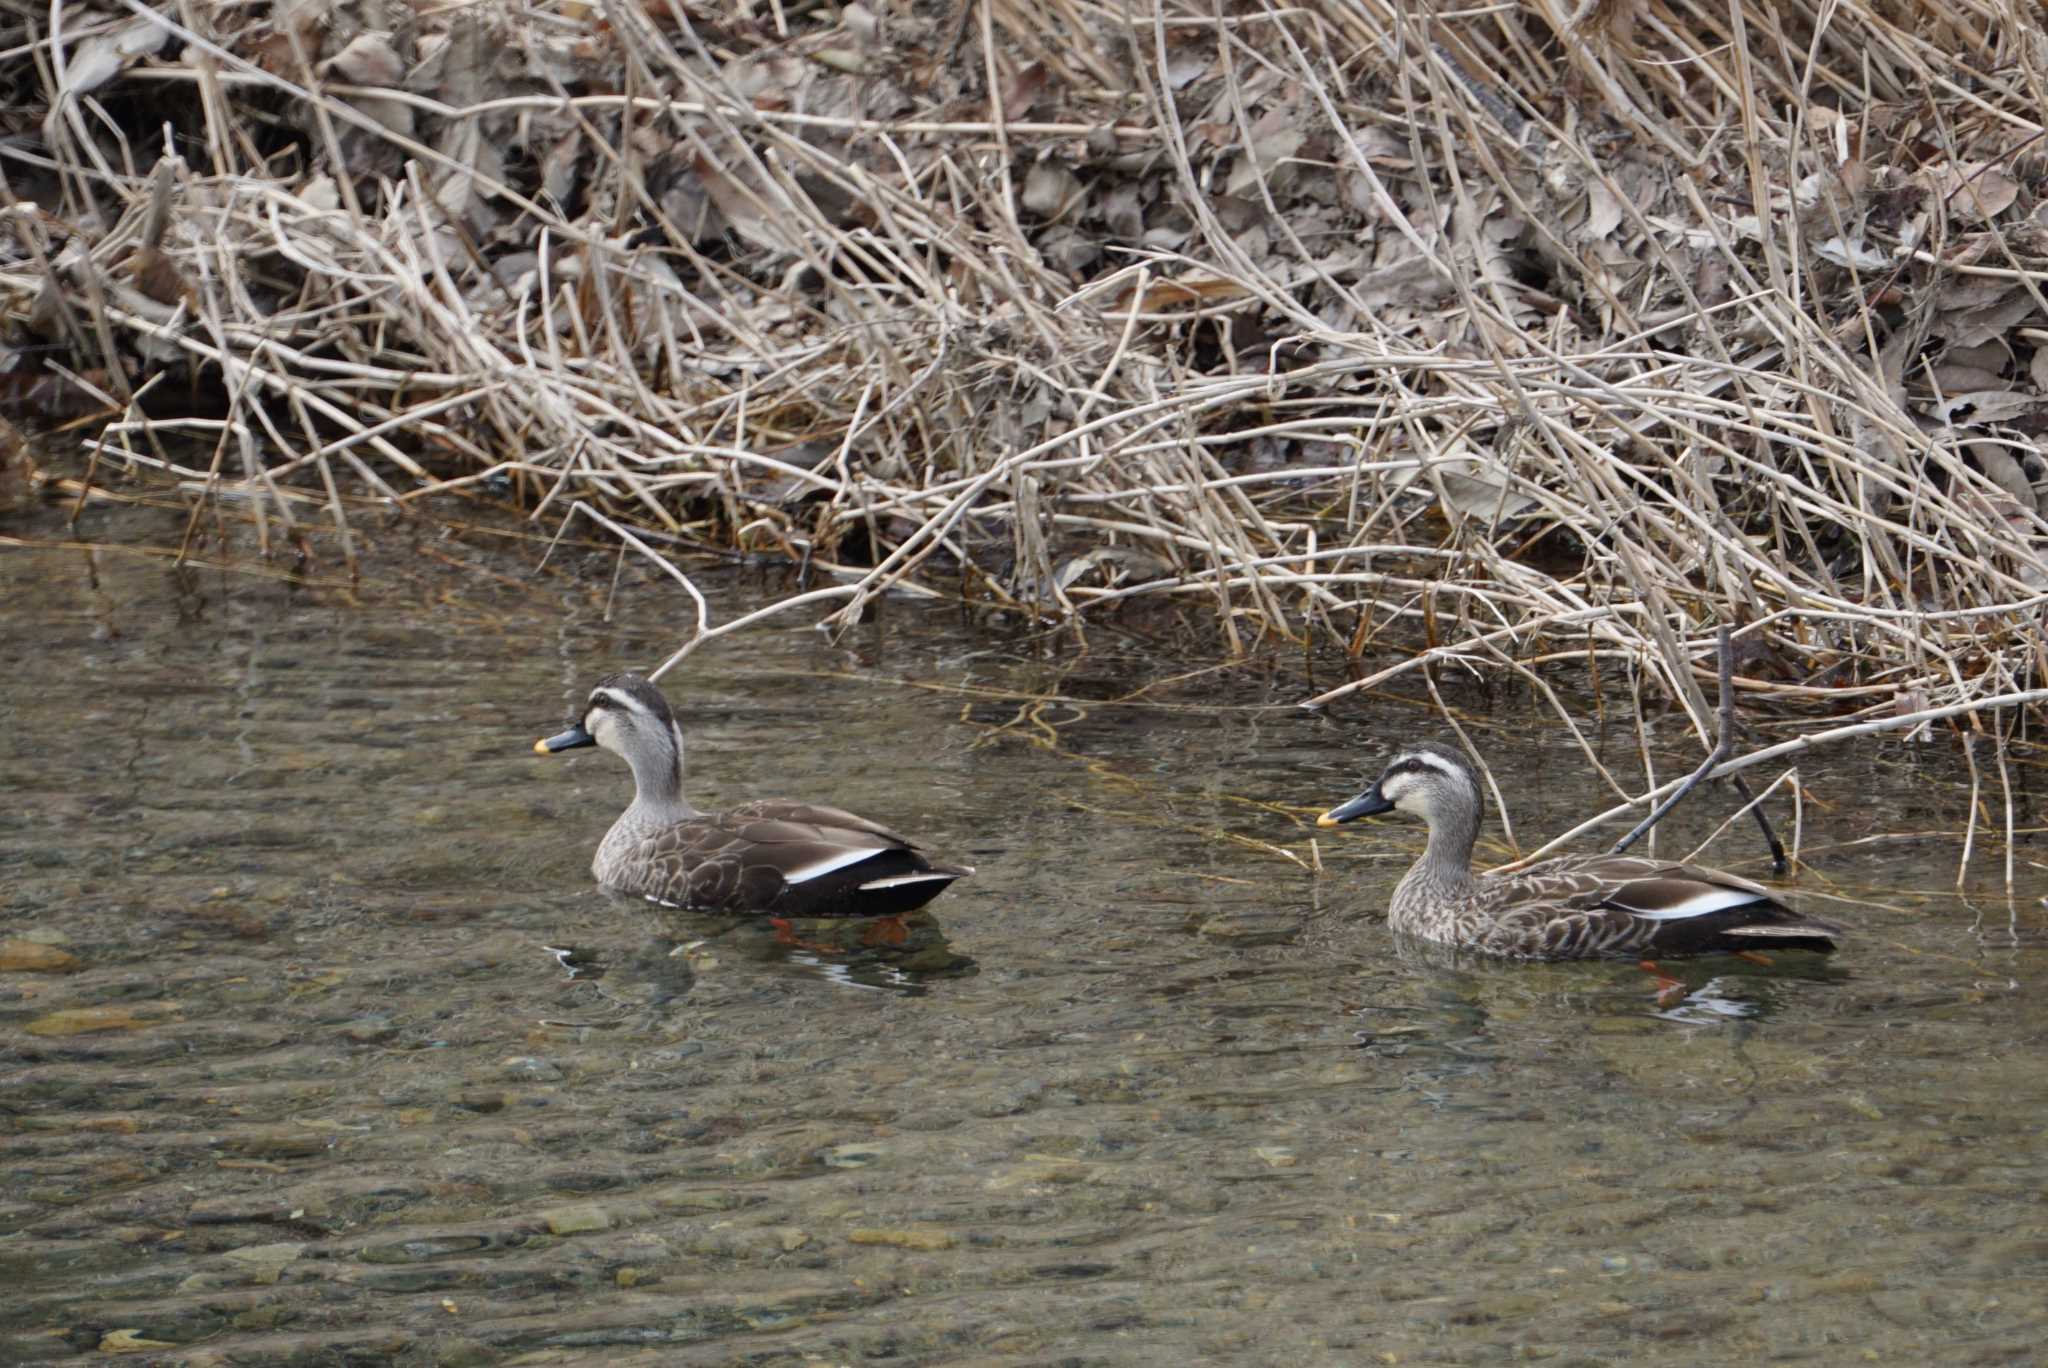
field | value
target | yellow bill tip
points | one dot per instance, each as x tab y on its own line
1326	820
540	747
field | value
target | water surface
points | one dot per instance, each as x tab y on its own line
320	1047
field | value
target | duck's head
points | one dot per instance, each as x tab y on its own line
626	715
1426	779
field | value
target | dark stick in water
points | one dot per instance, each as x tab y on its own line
1724	743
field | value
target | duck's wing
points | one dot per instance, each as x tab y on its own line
819	815
793	860
1609	905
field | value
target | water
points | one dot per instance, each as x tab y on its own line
327	1051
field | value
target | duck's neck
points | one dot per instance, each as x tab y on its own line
658	787
1444	873
657	805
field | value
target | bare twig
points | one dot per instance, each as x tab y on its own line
1199	308
1724	742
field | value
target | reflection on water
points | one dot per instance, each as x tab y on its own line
648	976
1693	991
1712	1002
901	954
321	1047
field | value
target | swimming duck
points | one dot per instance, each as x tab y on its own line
1572	907
773	856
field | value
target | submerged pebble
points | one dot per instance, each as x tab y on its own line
87	1020
1251	928
530	1069
904	1237
574	1220
32	957
854	1156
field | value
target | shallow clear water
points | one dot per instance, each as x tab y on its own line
320	1047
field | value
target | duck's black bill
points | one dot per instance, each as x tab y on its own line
1364	805
561	741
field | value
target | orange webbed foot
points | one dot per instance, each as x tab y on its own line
1669	989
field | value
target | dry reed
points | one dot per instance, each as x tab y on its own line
1507	339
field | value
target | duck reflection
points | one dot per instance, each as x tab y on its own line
900	954
639	982
652	976
1695	992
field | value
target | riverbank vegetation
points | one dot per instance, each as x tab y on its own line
1509	339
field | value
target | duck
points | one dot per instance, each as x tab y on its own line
774	856
1571	907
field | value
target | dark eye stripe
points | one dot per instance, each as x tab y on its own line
617	701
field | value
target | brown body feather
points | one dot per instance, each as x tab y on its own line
740	861
1581	907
